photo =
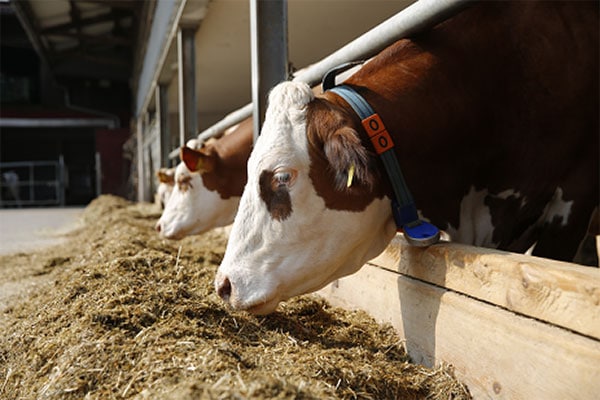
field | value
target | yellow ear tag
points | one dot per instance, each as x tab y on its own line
350	175
199	164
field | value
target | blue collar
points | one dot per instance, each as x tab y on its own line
416	231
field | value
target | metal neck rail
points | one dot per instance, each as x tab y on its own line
418	16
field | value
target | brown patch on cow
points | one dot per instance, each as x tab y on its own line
337	142
184	183
166	175
276	198
230	153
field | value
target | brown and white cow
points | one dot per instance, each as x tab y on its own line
222	166
495	118
208	184
166	182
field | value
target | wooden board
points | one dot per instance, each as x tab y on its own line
563	294
497	353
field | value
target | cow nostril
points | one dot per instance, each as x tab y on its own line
224	290
157	227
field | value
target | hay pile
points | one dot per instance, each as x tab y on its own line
125	314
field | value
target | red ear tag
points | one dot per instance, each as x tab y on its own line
380	137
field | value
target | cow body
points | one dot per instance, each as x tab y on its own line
208	184
495	118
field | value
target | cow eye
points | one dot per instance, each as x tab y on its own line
283	178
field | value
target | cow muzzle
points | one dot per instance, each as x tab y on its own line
223	289
227	291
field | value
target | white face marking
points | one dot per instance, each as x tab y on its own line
193	209
269	260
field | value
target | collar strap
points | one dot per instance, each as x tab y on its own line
416	231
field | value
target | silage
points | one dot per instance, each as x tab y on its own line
122	313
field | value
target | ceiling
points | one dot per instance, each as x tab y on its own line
83	39
106	40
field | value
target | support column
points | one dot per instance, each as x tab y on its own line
141	179
162	118
269	51
186	53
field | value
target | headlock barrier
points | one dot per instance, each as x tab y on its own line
418	16
512	326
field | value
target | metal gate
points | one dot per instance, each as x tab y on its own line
32	183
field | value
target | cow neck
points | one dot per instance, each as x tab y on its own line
416	231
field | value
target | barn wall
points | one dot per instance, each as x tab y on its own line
114	167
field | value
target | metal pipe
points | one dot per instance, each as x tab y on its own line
269	45
61	180
162	117
219	128
141	183
98	166
230	119
56	123
188	119
416	17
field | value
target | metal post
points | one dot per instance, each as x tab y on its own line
98	162
269	51
31	183
141	184
162	118
61	180
186	52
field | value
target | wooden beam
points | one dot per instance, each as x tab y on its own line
97	39
31	27
121	4
97	19
105	58
563	294
75	15
498	354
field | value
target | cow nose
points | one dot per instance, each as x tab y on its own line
157	227
224	289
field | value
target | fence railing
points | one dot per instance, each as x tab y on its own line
418	16
32	183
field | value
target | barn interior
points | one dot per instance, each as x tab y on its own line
81	79
95	97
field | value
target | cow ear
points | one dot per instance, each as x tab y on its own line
348	159
197	160
165	175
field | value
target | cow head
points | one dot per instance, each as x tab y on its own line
166	182
313	209
192	207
